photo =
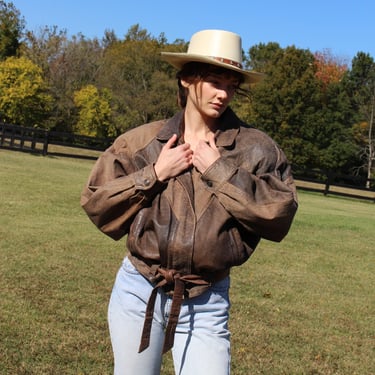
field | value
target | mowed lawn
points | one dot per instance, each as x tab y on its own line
303	306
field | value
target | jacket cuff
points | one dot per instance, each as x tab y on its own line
146	182
218	173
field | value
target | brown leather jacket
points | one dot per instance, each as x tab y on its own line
196	225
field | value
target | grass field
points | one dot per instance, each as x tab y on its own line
304	306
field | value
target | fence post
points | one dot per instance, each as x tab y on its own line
45	142
328	182
22	140
34	135
2	130
12	137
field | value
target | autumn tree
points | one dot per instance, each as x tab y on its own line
328	68
23	97
95	112
11	27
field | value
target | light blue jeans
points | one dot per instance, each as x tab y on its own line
202	338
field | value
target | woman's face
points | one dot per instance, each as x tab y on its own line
211	95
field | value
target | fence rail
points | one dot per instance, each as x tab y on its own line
39	140
46	142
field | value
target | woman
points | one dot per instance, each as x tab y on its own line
194	194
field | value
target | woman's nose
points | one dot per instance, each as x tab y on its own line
223	92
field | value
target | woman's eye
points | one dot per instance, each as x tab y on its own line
217	83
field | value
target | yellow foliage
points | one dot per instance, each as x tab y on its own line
94	112
23	97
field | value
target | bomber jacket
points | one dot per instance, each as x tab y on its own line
194	227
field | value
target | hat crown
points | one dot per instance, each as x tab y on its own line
219	44
216	47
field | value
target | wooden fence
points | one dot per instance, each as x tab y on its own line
333	184
67	144
46	142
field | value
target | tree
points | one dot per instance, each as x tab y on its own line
68	65
308	120
133	71
23	97
285	102
360	86
337	147
11	27
94	112
261	56
328	68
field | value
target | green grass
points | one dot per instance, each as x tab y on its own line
304	306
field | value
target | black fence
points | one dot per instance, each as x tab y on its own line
329	182
40	141
73	145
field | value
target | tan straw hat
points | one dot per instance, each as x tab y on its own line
216	47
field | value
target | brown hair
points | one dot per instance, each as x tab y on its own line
199	71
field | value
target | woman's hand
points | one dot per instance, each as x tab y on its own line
173	160
205	154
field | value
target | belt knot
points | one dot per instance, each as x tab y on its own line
169	275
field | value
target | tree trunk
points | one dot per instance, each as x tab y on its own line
371	141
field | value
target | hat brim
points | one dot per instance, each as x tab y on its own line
178	60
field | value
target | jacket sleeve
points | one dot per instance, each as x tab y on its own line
263	200
116	190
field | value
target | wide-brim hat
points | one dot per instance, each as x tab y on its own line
215	47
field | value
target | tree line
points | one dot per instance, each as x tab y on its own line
318	108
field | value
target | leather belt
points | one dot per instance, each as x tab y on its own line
177	282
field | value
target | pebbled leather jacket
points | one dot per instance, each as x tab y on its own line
195	225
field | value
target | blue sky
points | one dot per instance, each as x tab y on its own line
344	27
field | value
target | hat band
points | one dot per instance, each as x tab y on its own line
227	61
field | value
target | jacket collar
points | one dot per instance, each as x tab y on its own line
229	126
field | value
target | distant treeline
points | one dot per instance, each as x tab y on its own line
318	108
